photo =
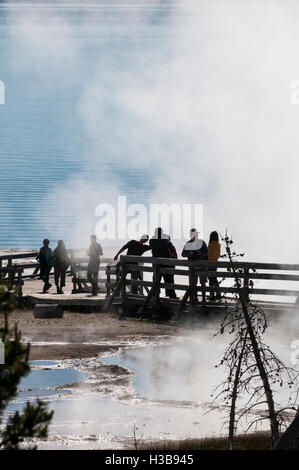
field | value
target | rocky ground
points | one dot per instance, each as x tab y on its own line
79	335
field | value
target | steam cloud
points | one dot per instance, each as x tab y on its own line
201	112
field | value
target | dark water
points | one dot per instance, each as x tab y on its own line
181	374
42	382
44	142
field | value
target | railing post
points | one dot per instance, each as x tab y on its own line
193	285
123	281
73	272
74	279
1	274
157	280
246	284
20	286
108	280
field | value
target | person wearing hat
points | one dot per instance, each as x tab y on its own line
45	258
162	248
135	248
196	249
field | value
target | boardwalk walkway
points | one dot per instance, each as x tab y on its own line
136	285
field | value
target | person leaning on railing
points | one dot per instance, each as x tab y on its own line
135	248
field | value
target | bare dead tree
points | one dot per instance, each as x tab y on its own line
136	439
253	369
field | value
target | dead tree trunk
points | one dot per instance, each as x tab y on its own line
232	415
262	371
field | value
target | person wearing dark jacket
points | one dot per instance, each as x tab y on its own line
61	263
196	249
94	253
45	258
135	248
162	248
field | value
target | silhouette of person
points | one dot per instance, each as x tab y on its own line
45	258
173	255
196	249
135	248
94	253
162	248
61	263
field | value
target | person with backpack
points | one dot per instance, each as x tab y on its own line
45	258
173	252
61	263
213	255
196	249
173	255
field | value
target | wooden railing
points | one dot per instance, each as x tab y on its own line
79	265
248	272
14	262
119	282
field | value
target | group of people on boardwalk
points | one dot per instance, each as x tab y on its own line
59	258
160	246
194	249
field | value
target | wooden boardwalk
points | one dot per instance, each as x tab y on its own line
32	294
189	293
76	295
120	288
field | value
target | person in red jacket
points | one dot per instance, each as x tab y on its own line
173	252
173	255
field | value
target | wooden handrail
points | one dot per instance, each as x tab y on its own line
184	287
176	267
12	256
220	274
190	269
212	264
